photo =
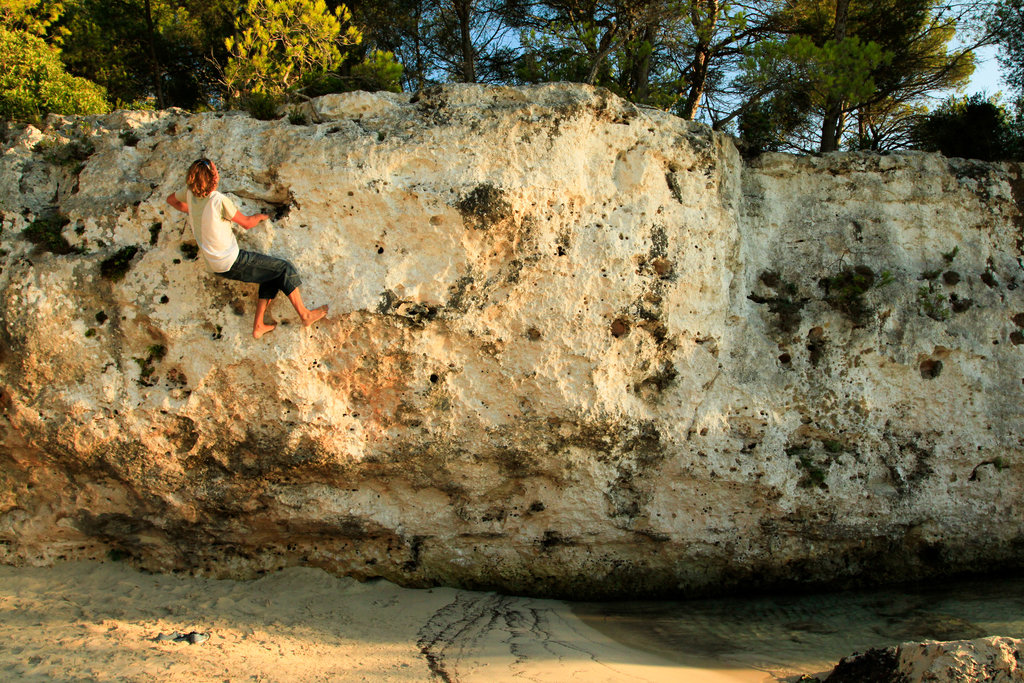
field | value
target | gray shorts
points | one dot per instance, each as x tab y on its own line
271	273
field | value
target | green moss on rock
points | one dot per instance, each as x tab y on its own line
116	267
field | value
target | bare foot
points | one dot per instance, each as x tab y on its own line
260	330
314	315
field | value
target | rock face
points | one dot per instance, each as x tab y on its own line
574	348
997	660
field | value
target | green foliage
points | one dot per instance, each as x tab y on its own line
932	303
846	290
379	70
150	53
279	42
47	231
154	354
658	53
813	473
264	106
864	78
33	81
1007	23
972	127
766	125
35	17
804	77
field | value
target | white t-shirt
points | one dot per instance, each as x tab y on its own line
215	239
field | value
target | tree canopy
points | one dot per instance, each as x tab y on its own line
34	80
801	75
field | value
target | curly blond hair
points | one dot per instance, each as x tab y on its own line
202	177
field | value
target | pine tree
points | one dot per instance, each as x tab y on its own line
278	43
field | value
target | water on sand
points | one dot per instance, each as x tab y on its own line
797	634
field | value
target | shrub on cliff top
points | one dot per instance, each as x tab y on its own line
970	128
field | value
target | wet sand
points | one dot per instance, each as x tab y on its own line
791	635
98	622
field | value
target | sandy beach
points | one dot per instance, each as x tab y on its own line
100	621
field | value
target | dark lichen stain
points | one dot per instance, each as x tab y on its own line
190	250
951	278
47	232
673	185
388	302
415	549
154	233
636	459
484	206
115	267
1017	190
989	278
960	305
783	304
458	302
659	380
1017	338
553	539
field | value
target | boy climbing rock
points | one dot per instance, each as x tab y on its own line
211	213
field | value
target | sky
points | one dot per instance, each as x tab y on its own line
986	77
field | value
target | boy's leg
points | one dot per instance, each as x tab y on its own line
259	327
308	316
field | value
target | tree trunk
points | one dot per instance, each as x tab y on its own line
463	10
154	66
605	48
831	126
418	47
640	69
704	28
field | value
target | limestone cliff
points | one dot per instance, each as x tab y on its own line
575	347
